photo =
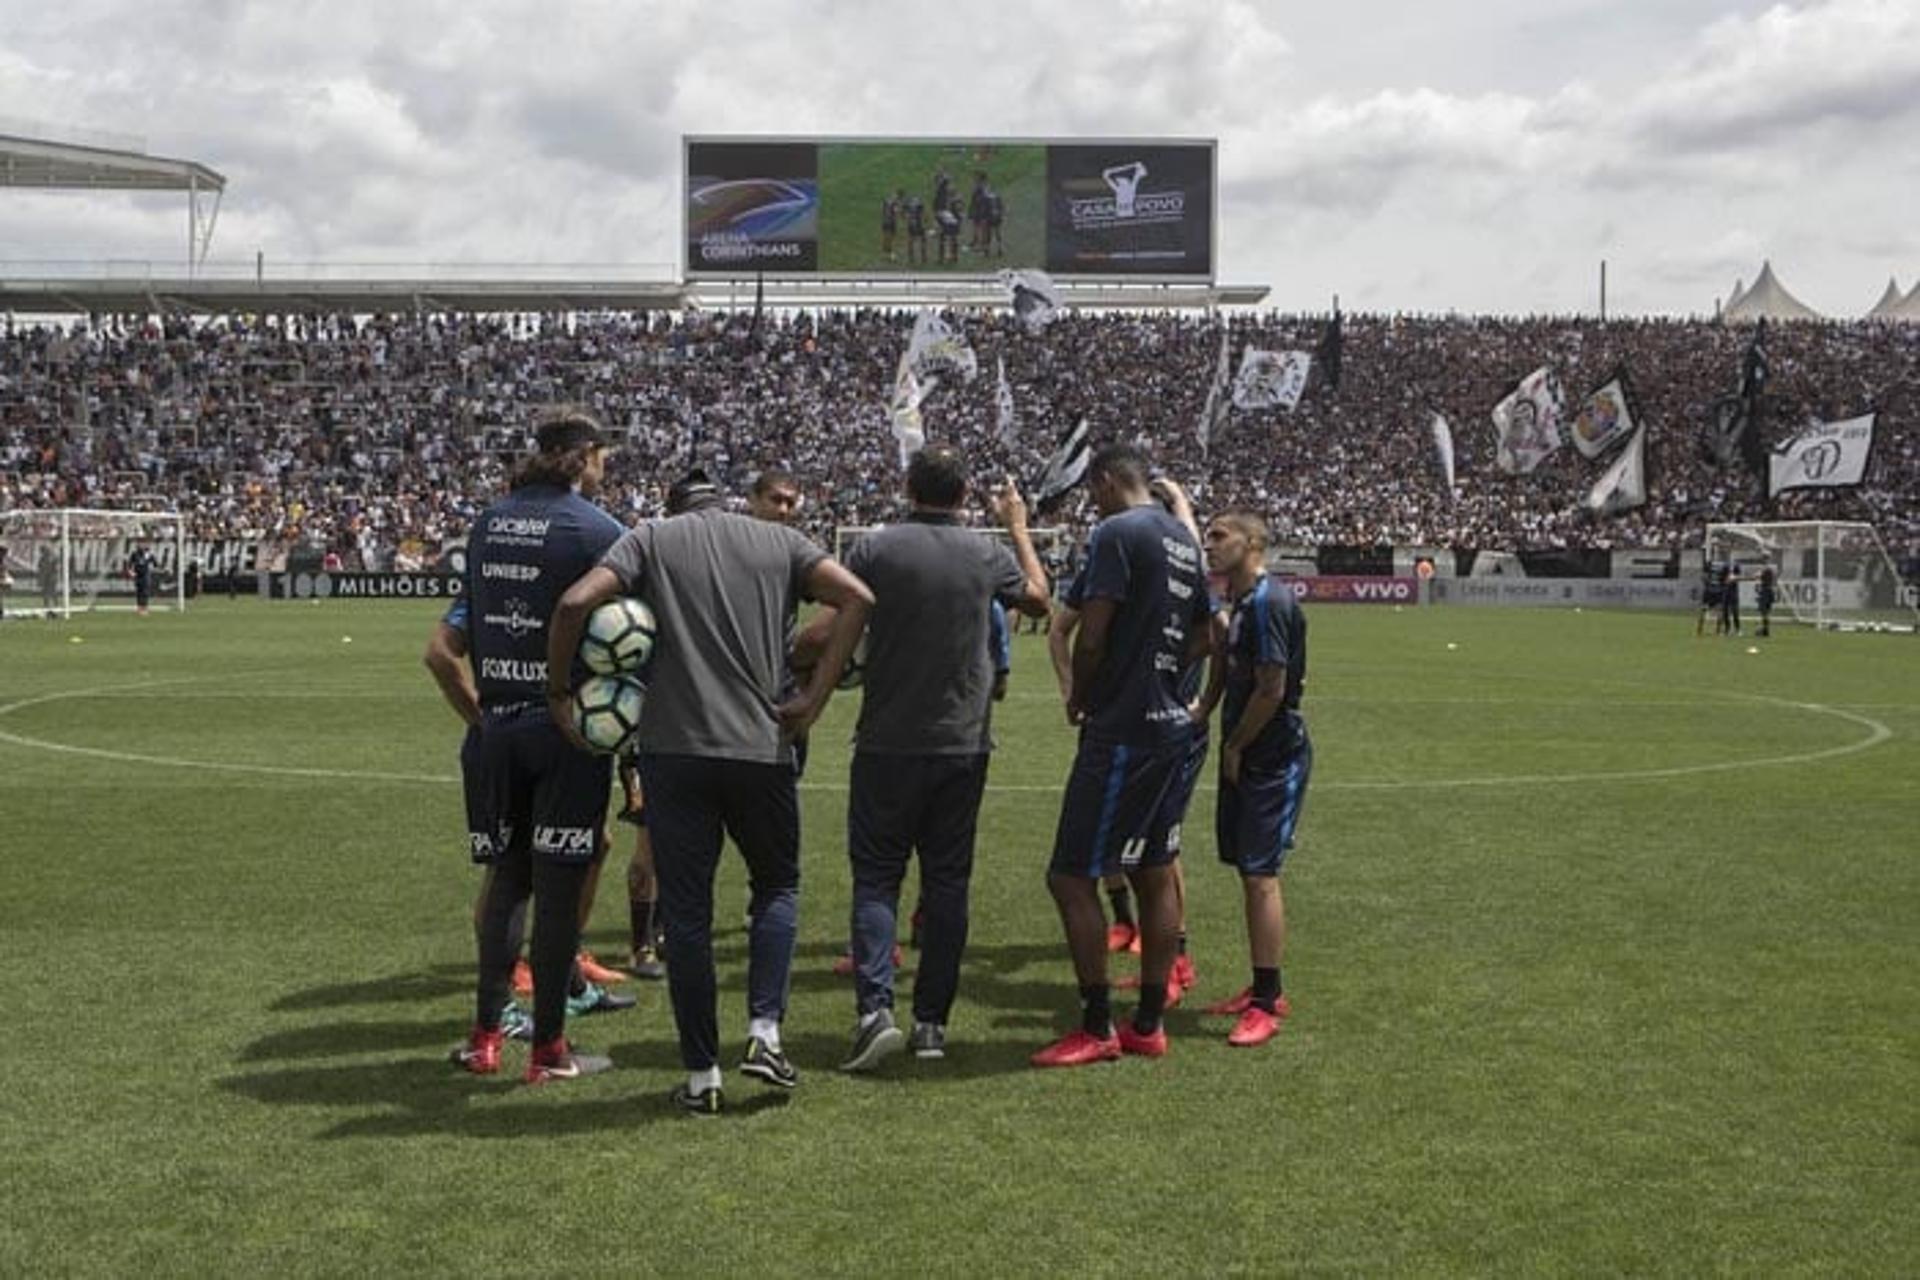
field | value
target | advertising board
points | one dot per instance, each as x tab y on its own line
877	207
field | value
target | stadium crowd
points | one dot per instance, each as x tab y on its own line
376	441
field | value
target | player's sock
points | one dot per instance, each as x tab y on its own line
1183	943
556	944
1266	987
576	980
1096	1010
1153	1003
640	916
1122	900
503	918
766	1030
699	1082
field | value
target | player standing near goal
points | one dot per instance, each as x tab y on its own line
1143	621
923	740
715	748
140	568
1764	593
549	797
1265	756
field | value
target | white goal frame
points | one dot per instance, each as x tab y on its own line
1821	592
23	531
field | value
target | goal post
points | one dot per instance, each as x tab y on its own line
1833	575
66	560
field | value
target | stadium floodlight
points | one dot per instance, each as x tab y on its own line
1834	575
66	560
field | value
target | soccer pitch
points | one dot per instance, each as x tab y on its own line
1603	959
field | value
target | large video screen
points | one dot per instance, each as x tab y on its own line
883	207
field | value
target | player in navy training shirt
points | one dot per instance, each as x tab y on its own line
140	567
1265	756
548	798
1143	622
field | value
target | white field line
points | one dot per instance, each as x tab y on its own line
1876	734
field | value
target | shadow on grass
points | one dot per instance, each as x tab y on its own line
346	1039
399	988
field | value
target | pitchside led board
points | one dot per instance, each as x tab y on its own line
844	207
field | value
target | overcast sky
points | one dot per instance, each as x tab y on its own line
1404	154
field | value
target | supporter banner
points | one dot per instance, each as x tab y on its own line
1526	423
1345	589
1605	417
359	586
1650	593
967	207
1825	455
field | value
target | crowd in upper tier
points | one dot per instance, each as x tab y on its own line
378	440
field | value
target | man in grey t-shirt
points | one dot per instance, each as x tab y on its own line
920	754
715	746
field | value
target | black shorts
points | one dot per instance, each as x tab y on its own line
481	828
1122	808
1256	817
547	797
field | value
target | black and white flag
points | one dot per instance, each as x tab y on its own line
1269	379
903	410
1033	296
1213	416
936	343
1443	449
1622	486
1065	468
1824	456
1526	423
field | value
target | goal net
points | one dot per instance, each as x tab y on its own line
68	560
1831	574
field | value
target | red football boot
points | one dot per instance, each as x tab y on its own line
1153	1045
480	1055
1077	1049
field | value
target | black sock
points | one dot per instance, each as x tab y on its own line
1122	901
640	915
1153	1003
1096	1010
1183	943
1266	987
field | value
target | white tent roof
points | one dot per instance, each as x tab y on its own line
1908	308
1889	301
1738	292
1768	300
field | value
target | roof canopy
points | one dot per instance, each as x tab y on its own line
35	162
1908	308
1768	299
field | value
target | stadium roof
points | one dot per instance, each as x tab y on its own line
1768	299
37	162
145	293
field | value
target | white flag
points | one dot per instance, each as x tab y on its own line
1604	420
1622	486
1033	296
1527	423
1003	406
903	410
1443	449
1823	456
1213	417
935	342
1270	378
1065	468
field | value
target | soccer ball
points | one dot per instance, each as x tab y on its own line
606	711
618	638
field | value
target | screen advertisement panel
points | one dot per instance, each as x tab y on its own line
1123	209
752	206
880	207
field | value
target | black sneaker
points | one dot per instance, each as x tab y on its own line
873	1040
928	1041
768	1065
647	964
708	1102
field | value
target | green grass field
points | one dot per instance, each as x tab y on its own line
855	178
1603	960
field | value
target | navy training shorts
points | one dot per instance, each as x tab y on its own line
1122	808
1255	818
